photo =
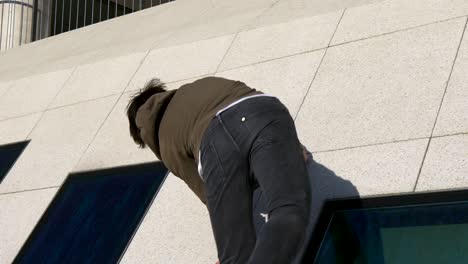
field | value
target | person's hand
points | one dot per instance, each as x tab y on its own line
304	153
217	262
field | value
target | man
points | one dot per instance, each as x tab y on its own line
225	139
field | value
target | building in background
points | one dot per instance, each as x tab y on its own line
25	21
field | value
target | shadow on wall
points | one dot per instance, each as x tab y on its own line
325	184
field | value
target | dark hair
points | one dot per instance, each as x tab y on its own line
151	88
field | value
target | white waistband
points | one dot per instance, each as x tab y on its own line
240	100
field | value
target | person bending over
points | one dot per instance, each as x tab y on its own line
225	139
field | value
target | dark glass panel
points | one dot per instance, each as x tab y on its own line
8	156
94	216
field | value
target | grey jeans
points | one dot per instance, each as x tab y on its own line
253	145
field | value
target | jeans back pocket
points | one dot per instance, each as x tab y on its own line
212	171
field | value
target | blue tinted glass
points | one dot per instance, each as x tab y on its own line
8	155
434	233
93	216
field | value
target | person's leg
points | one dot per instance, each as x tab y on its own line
278	165
260	209
255	138
229	195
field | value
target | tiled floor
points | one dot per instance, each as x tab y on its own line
32	94
287	78
379	92
57	142
381	89
453	116
446	164
183	61
21	211
294	37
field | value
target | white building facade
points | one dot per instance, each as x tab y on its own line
378	90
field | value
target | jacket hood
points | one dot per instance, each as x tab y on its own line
149	116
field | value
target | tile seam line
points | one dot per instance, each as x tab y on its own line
109	113
90	100
172	82
336	45
84	101
20	116
398	31
29	190
371	145
9	85
228	69
60	106
156	47
451	135
242	29
248	25
336	28
142	62
157	44
272	59
441	102
318	68
226	52
51	101
285	56
245	26
388	142
422	25
310	85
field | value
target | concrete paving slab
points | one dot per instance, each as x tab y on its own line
392	15
153	24
176	214
378	169
453	116
57	142
4	86
182	62
287	10
113	145
109	38
223	18
121	31
380	90
287	78
17	129
446	164
32	94
31	58
99	79
20	213
71	60
281	40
